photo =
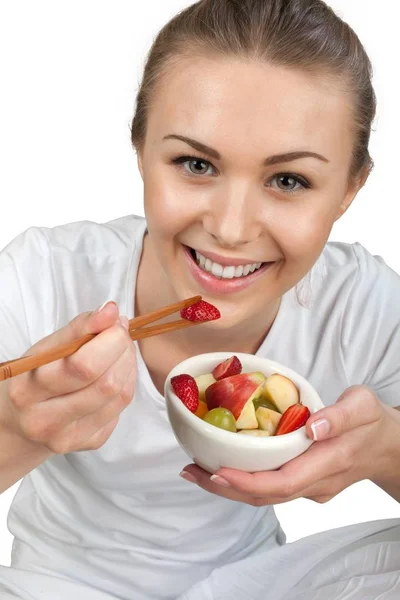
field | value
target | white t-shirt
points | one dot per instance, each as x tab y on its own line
119	519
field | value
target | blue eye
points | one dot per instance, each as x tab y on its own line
195	166
289	183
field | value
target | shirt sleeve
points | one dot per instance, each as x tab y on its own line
371	328
27	299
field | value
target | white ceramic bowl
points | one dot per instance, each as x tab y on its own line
212	448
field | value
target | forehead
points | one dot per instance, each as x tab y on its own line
228	101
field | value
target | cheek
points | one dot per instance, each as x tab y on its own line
168	210
303	230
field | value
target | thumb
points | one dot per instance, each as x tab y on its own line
357	406
85	323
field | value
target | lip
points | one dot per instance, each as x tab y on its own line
228	262
214	285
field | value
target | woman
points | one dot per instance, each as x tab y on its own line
252	129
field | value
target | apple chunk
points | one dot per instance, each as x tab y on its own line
268	419
247	418
236	393
281	391
203	382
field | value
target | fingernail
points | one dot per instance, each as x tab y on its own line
188	477
124	322
320	429
220	481
100	308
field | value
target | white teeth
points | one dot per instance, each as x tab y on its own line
225	272
229	273
217	269
239	271
201	259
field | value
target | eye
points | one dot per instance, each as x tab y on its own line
289	183
195	166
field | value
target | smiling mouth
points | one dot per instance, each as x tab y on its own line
224	271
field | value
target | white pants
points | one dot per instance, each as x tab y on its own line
360	562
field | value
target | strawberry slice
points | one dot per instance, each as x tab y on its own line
201	311
185	387
293	418
231	366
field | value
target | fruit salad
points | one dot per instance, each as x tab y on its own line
245	403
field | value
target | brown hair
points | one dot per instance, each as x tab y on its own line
303	34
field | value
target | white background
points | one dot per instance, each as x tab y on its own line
68	75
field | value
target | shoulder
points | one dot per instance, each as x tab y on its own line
37	244
369	318
122	231
88	237
353	259
48	275
356	278
358	290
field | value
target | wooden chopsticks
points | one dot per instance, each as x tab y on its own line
137	331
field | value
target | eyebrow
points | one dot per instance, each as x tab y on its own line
272	160
196	145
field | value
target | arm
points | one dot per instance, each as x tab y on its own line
360	438
362	441
390	482
18	456
68	405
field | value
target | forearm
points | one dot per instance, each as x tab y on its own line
18	456
389	480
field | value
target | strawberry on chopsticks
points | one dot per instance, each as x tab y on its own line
231	366
201	311
293	418
185	387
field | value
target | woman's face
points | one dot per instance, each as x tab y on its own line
245	169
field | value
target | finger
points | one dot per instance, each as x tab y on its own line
75	372
320	492
100	437
319	462
44	419
202	479
80	433
356	407
328	488
84	323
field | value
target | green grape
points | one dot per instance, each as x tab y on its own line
264	402
222	418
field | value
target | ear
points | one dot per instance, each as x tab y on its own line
355	185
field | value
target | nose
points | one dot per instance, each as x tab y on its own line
232	218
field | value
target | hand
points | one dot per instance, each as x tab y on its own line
355	441
74	403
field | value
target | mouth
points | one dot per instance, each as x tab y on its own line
232	276
224	272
